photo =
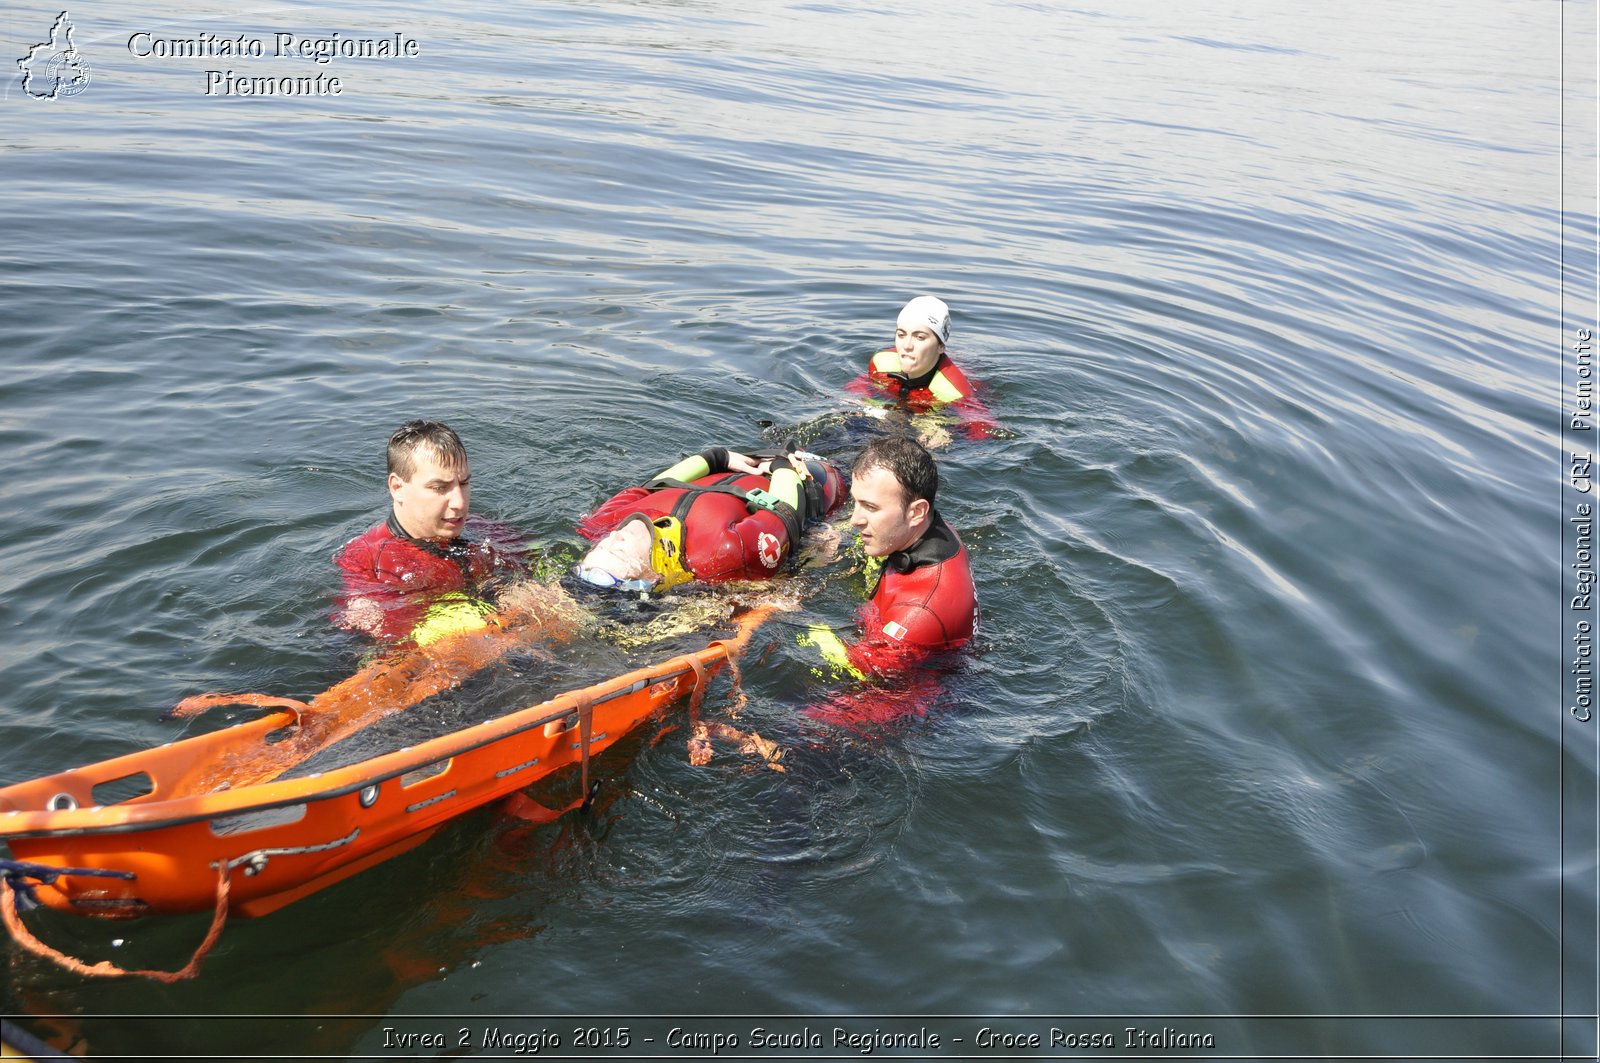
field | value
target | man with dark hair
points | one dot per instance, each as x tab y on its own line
416	575
418	438
922	599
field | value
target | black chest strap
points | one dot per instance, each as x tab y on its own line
792	521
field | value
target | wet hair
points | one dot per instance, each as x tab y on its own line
436	436
907	461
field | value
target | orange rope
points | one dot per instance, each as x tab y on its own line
106	969
701	734
736	689
585	731
700	683
730	656
695	698
699	747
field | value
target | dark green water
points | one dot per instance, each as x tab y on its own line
1269	721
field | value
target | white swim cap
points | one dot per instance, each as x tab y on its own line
925	311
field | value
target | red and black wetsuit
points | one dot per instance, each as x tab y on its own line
944	384
404	575
924	603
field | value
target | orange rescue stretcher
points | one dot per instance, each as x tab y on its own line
212	826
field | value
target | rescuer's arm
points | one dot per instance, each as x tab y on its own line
833	650
708	461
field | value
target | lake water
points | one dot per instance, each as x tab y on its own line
1269	735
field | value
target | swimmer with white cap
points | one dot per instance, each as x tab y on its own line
917	373
920	333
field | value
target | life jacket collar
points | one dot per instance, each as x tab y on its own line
937	544
458	550
914	383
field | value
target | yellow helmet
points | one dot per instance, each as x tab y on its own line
666	552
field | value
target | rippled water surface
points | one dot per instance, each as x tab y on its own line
1268	717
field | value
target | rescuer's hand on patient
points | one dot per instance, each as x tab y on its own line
540	602
363	614
819	546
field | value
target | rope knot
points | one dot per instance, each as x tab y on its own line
15	873
21	897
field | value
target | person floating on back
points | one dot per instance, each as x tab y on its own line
714	516
917	372
423	572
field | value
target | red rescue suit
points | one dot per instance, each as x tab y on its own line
924	603
404	576
944	384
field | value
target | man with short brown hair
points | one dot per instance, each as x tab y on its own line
417	575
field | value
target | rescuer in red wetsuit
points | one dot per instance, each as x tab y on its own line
917	372
714	516
922	601
418	573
